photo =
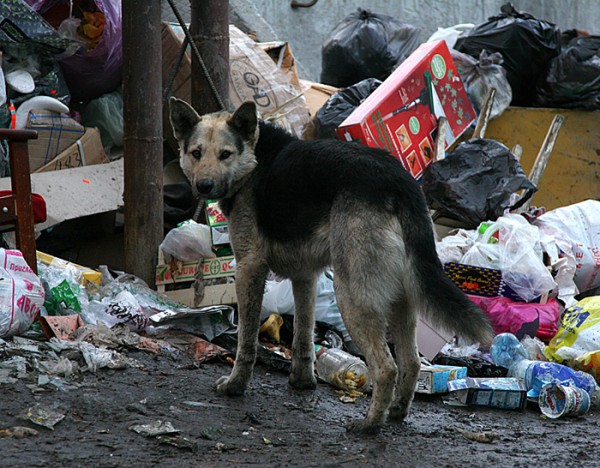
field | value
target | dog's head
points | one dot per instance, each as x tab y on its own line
216	150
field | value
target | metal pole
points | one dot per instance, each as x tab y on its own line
142	115
210	32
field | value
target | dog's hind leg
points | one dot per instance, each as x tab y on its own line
403	328
367	327
250	284
303	355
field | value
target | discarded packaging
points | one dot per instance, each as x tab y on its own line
43	416
502	393
154	429
21	294
18	432
401	115
60	327
434	379
557	400
507	351
342	370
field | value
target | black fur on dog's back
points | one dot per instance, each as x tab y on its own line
296	184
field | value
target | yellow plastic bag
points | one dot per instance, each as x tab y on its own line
577	342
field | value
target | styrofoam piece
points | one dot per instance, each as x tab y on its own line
20	81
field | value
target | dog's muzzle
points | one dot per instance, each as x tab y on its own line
205	186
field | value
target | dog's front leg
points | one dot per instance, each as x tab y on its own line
250	284
303	350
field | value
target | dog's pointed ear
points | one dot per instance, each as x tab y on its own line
183	117
244	120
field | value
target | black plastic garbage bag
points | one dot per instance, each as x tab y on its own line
527	45
573	78
479	76
340	105
366	45
475	181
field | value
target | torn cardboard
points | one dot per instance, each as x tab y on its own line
85	151
56	132
82	191
254	76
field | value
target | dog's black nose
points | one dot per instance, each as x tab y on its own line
204	186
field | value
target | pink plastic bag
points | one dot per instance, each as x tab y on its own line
521	318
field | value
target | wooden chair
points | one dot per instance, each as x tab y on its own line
17	208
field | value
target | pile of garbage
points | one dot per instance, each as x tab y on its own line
535	273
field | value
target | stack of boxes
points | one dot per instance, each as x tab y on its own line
217	274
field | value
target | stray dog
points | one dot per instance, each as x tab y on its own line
296	207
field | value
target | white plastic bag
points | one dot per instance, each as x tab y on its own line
190	242
518	254
279	299
21	294
576	232
451	34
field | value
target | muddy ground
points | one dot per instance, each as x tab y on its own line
272	425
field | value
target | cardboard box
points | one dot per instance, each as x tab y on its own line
56	132
401	115
316	95
85	151
218	294
479	281
434	379
502	393
186	271
253	77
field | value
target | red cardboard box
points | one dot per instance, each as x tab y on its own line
401	115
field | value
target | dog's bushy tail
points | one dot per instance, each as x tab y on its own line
441	301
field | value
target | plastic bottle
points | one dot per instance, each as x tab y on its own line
507	351
341	369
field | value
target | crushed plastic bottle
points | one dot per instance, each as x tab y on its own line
507	351
341	369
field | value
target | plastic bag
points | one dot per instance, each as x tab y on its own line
475	181
366	45
451	34
106	113
518	255
92	73
25	32
479	76
526	43
575	231
521	318
65	294
279	299
340	105
577	341
573	78
21	294
190	242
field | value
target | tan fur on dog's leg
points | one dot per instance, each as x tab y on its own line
250	284
369	335
403	329
303	355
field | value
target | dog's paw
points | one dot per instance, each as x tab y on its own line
303	381
227	386
362	426
399	413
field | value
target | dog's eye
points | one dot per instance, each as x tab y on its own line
197	154
224	155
